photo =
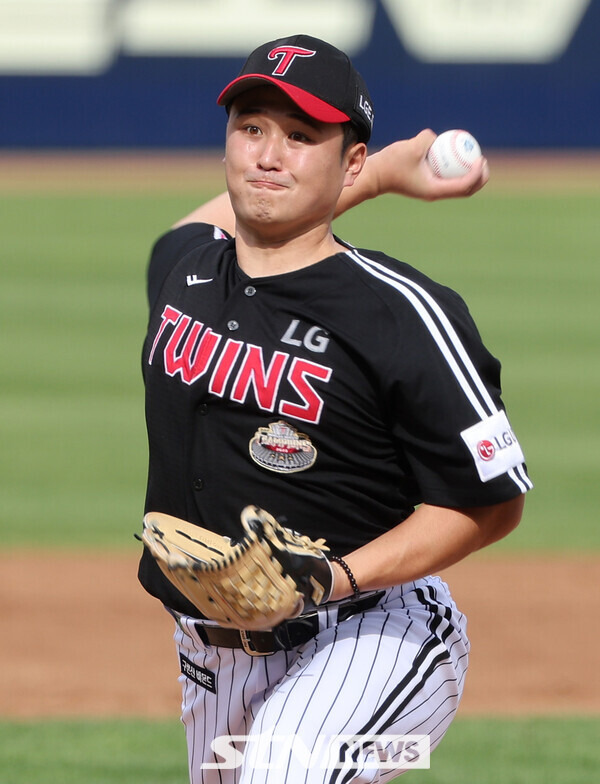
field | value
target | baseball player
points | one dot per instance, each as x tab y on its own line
347	394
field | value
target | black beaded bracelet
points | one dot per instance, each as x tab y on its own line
349	575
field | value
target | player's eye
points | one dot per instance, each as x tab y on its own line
253	130
299	136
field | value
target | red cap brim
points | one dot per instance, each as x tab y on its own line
310	104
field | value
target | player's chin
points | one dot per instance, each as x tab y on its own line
263	212
265	225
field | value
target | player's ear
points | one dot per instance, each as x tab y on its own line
354	160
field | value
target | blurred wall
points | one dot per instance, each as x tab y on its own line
146	73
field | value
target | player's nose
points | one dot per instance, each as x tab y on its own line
270	152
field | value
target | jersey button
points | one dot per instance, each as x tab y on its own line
249	291
203	409
232	325
198	484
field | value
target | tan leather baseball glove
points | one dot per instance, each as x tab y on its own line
268	575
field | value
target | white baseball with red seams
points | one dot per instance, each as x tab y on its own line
453	153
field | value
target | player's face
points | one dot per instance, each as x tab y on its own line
284	170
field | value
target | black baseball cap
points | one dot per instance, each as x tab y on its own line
319	78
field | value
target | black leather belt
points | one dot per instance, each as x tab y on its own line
284	637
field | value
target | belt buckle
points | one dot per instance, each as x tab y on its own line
248	647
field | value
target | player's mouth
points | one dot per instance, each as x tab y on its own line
270	183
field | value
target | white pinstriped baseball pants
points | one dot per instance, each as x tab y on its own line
397	669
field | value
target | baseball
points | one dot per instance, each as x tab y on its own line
453	153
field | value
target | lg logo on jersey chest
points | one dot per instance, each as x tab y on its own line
314	339
241	371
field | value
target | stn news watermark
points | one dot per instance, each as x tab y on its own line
270	751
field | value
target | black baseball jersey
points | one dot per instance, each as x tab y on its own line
337	397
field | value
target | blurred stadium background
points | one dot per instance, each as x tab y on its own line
145	73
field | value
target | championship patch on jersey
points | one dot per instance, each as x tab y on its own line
280	447
493	446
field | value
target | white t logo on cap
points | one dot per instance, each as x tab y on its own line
288	54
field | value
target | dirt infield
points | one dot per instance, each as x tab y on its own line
81	638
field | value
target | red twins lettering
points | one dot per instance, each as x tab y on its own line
264	382
195	356
192	350
288	54
313	404
223	369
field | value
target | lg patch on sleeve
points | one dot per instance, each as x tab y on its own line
493	446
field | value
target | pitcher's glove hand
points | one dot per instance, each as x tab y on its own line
268	575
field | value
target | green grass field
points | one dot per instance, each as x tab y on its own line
73	461
474	751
